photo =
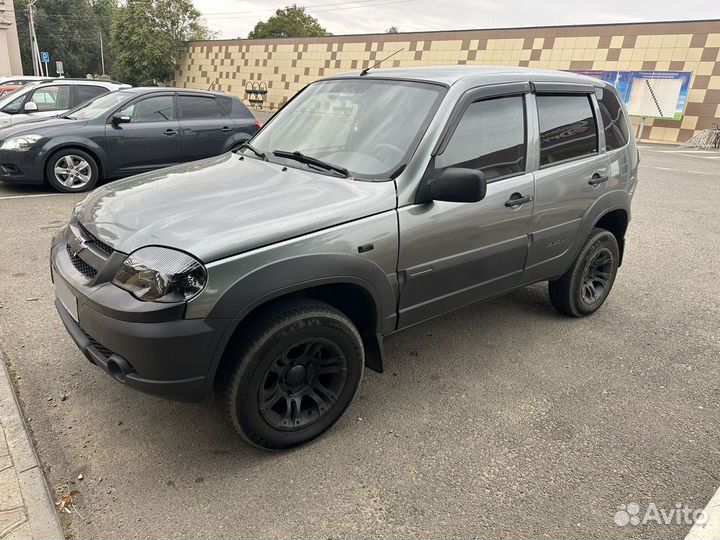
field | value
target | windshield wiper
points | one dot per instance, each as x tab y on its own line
66	117
254	150
302	158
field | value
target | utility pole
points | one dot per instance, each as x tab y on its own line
102	54
34	49
31	10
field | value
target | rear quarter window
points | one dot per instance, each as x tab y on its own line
613	119
235	108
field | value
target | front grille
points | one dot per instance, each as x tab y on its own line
81	266
108	250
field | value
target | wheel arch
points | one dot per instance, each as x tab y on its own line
616	222
354	298
237	139
95	152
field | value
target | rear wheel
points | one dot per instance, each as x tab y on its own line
587	284
294	374
72	170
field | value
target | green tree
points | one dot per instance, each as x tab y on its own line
148	37
289	22
70	31
392	30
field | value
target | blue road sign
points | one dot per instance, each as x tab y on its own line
45	57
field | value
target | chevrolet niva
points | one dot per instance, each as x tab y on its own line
370	202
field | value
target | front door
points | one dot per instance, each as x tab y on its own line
50	101
453	254
149	141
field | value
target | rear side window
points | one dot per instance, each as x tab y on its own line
491	137
226	104
86	92
234	108
613	119
567	128
200	108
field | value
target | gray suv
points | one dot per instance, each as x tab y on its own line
369	203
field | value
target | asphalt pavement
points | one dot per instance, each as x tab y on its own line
502	420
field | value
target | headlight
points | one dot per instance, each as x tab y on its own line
157	274
20	143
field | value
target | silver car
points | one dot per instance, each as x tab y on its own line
369	203
45	99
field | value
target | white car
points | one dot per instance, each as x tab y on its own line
45	99
12	83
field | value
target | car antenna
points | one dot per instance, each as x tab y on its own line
376	64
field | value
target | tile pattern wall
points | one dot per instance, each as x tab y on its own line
287	65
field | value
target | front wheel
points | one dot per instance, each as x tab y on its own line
294	374
71	171
586	285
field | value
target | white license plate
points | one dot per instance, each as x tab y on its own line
66	297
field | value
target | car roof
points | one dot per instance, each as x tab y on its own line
95	82
150	89
24	78
449	75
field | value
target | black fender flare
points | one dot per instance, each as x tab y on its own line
295	274
617	199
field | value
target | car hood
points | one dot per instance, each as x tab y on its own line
222	206
42	126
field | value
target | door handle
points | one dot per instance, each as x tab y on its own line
597	179
225	128
516	199
170	132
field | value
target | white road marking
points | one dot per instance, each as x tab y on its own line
681	170
702	154
31	196
711	529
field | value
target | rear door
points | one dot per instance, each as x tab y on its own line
572	174
205	128
88	92
149	141
453	254
245	122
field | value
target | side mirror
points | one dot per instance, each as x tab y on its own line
30	106
455	184
120	119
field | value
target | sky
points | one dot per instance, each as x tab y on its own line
235	18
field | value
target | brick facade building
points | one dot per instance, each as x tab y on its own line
10	63
286	65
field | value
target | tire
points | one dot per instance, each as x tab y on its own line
586	285
72	170
293	375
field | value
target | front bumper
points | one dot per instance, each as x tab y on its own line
21	167
158	352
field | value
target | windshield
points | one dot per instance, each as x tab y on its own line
12	102
369	127
98	106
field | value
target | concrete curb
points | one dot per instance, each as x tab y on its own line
37	506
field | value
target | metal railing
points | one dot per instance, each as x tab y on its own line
707	139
